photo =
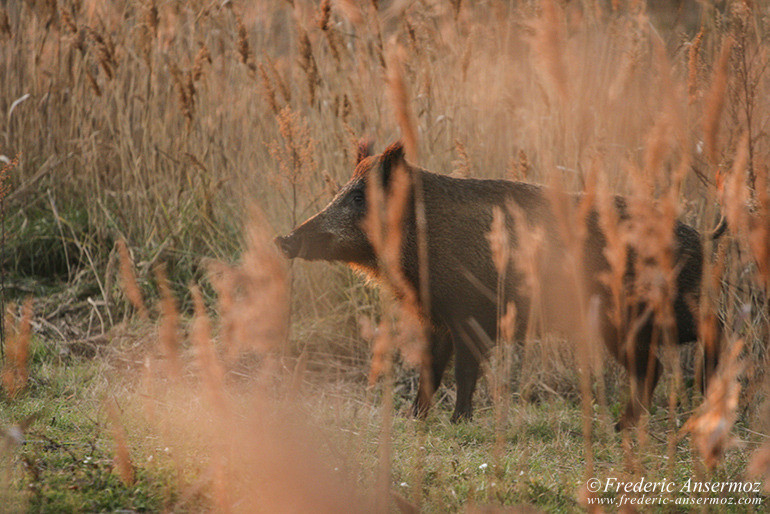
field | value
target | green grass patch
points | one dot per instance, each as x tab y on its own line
65	461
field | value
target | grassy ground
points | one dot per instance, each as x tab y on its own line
173	125
67	461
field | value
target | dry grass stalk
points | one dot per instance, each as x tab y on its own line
206	358
715	101
202	57
708	324
150	392
144	43
5	24
363	149
712	423
128	280
254	296
17	340
572	229
693	54
351	10
279	80
332	186
658	148
759	235
526	257
501	374
185	91
168	330
548	44
671	356
307	62
383	225
324	14
93	83
523	166
399	100
759	466
462	166
506	331
151	18
382	366
631	58
385	443
616	253
332	37
105	50
752	218
220	483
751	212
68	18
5	172
123	462
651	234
382	348
295	155
499	241
267	88
733	192
242	44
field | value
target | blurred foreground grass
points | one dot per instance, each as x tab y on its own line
66	462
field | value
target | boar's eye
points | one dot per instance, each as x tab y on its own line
358	199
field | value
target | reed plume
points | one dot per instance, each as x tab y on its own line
399	100
548	44
18	338
308	63
712	423
168	330
128	280
209	367
122	458
693	55
715	101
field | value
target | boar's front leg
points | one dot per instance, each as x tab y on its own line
430	376
644	369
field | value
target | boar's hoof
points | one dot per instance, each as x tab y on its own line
461	417
628	421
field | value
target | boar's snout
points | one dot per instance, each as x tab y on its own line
307	242
333	234
288	245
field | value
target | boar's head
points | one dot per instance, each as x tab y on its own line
337	233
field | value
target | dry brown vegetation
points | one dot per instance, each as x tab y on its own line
145	130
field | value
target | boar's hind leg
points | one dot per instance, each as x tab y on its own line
644	369
430	375
468	357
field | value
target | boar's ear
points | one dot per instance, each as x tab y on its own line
392	158
363	149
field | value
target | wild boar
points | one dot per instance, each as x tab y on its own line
463	286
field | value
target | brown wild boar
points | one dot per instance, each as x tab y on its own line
463	281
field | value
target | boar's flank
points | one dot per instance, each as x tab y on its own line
463	280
